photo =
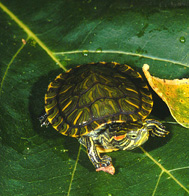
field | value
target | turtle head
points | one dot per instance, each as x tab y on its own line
132	135
136	134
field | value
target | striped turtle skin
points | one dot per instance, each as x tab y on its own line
91	95
104	106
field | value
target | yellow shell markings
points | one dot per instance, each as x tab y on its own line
131	103
102	62
92	77
146	87
75	132
52	116
135	74
86	129
66	105
51	105
86	98
127	68
147	101
55	83
108	122
99	92
77	117
85	83
97	109
135	100
107	81
62	92
175	93
112	105
96	92
132	72
138	75
109	91
90	96
133	119
51	86
119	76
132	90
69	70
120	116
50	95
142	114
98	125
103	108
51	92
64	131
55	125
144	108
125	106
60	76
83	75
115	64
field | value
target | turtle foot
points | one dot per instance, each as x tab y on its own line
43	120
108	169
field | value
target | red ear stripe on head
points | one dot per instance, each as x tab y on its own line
120	137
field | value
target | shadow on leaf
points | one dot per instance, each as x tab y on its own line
67	147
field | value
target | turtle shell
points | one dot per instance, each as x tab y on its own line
89	96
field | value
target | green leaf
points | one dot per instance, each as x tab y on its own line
40	39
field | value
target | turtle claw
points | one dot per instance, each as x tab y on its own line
43	120
107	158
106	161
106	165
108	169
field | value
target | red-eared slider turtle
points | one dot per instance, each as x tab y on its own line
104	106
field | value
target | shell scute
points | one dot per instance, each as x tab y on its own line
91	95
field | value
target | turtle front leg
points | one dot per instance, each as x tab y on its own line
101	164
155	128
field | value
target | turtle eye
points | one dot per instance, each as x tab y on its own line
133	136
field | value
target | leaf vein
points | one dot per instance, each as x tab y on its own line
8	66
124	53
180	168
157	183
72	177
89	33
164	170
31	34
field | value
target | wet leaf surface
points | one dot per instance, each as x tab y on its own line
40	39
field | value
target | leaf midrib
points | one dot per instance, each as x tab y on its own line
31	34
124	53
53	56
164	170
